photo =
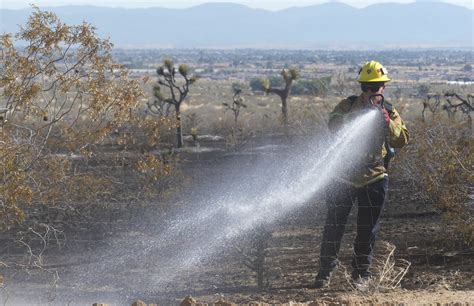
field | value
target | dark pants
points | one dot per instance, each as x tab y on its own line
371	200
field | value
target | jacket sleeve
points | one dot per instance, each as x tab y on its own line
398	133
336	117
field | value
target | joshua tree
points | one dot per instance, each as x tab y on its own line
289	76
237	103
177	86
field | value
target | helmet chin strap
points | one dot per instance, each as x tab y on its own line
372	97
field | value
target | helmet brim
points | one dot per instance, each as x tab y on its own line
383	78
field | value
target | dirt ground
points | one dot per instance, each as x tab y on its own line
441	270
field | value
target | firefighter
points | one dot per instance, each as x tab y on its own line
368	186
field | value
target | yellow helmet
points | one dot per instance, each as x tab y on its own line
373	72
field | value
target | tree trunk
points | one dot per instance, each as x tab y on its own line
179	131
284	110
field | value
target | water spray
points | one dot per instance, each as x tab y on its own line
263	196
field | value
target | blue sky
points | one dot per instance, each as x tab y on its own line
264	4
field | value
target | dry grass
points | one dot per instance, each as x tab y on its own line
439	165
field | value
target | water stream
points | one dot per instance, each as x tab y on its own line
261	194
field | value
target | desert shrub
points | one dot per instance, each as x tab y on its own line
439	164
315	87
63	99
422	90
310	115
273	81
253	252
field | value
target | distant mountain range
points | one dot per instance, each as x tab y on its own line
225	25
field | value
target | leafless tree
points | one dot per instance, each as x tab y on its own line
465	105
433	103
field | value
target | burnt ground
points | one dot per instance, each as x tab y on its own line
442	270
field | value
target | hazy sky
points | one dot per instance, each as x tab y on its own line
265	4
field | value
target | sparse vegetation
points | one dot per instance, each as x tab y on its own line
440	167
253	255
423	90
315	87
62	97
464	104
87	153
64	103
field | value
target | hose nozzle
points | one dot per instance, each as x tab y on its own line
372	98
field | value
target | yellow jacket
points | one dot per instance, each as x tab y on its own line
373	168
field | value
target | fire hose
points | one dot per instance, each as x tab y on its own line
390	151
